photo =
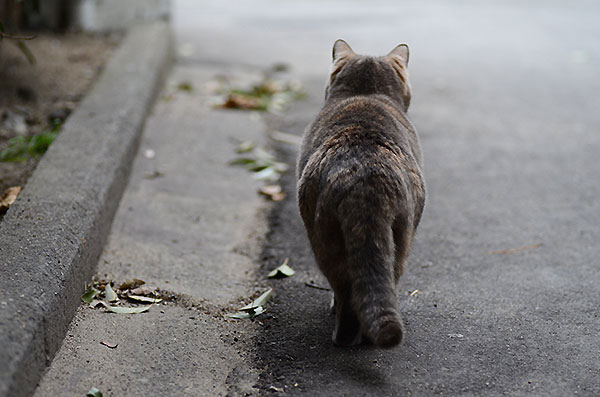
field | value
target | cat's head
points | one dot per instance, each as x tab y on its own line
353	74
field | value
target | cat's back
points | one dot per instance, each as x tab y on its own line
358	132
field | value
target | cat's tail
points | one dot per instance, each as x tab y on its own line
370	259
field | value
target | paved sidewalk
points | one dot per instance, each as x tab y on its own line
53	234
190	224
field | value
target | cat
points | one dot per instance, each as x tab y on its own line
361	191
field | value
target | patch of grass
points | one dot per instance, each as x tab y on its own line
21	148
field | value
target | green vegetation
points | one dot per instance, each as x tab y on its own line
21	148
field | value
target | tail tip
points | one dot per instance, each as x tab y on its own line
389	336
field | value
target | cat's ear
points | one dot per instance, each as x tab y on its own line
401	51
341	49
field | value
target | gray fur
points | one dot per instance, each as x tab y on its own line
361	191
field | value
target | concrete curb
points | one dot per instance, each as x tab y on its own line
53	235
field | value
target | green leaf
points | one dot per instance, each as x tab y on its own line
258	302
89	295
185	86
258	167
269	174
282	271
93	392
245	147
247	314
109	294
242	161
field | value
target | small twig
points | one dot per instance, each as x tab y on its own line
15	37
315	286
109	345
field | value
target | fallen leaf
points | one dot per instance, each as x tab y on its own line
260	301
245	147
93	392
185	86
274	192
127	310
153	175
109	345
144	290
515	250
97	302
268	174
109	294
280	67
131	284
9	197
90	294
243	161
282	271
246	314
146	299
244	102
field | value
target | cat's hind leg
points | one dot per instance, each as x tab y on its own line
347	326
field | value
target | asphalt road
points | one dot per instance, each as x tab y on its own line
506	258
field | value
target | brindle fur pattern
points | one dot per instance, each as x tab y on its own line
361	191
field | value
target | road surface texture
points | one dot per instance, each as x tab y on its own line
501	292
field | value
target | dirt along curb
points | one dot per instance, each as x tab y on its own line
53	235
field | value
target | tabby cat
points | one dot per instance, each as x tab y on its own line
361	191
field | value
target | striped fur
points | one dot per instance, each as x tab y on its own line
361	191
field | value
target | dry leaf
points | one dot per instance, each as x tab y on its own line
261	300
282	271
274	192
127	310
109	294
144	290
246	314
131	284
153	175
237	101
146	299
9	197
